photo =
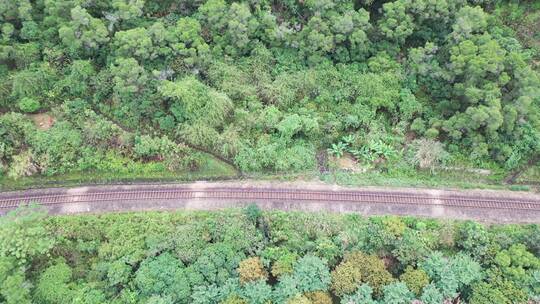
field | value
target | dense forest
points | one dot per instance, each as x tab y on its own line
246	256
266	85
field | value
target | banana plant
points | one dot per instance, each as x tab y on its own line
349	139
379	148
337	149
363	153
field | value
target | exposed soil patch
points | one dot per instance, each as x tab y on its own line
346	163
43	121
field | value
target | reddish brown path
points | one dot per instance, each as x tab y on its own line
492	206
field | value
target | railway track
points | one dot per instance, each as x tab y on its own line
8	202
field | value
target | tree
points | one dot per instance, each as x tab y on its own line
34	81
128	9
217	263
251	269
519	266
415	279
363	294
189	240
84	32
257	292
163	275
23	234
414	245
345	278
189	45
357	268
287	289
431	295
474	239
13	285
319	297
311	274
485	293
80	78
54	284
396	23
129	78
195	102
451	275
282	260
397	293
232	26
134	43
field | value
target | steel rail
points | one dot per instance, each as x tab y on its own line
302	192
399	198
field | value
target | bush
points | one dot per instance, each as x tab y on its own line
426	153
22	165
29	105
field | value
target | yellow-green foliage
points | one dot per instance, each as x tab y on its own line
345	278
372	268
319	297
234	300
394	225
281	267
415	279
299	299
251	269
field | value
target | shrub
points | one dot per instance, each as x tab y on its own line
28	105
427	153
22	165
